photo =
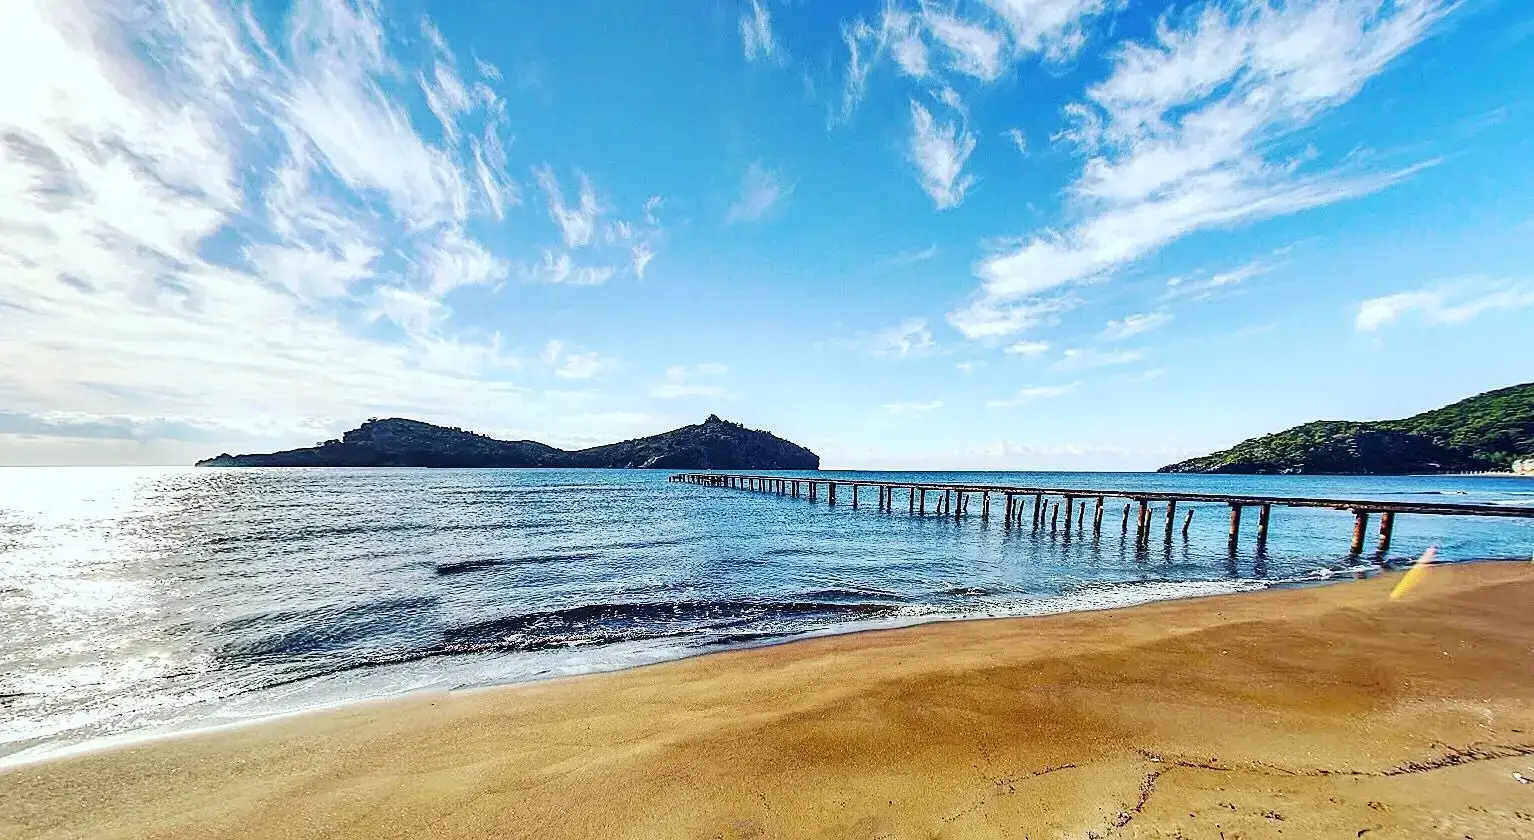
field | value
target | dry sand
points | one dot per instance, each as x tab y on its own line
1304	713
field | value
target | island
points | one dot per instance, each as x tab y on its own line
1489	432
397	442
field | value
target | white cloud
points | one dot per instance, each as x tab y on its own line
761	189
680	381
581	366
1028	348
912	407
560	267
642	254
1203	289
940	153
1033	393
968	367
252	222
986	320
1016	136
556	356
909	338
910	257
577	224
1455	302
908	37
1182	135
1050	27
1080	358
973	49
1140	322
756	33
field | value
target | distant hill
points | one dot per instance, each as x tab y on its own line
1485	432
397	442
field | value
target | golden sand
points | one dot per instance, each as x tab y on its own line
1304	713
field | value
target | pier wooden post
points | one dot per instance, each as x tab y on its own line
923	492
1008	518
1387	524
1142	529
1235	527
1054	519
831	493
1081	516
985	506
1038	510
910	500
1124	526
1360	525
1187	521
1171	518
812	491
854	497
1263	514
1070	508
1097	518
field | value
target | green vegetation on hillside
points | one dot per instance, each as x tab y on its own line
398	442
1484	432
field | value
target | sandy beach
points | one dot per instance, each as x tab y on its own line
1328	711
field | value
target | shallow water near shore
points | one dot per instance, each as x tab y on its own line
142	600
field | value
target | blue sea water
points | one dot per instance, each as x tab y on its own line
145	600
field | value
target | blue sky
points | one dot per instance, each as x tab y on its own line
999	234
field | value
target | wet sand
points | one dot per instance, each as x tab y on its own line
1305	713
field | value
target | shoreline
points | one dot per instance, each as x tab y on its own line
1145	714
64	751
45	753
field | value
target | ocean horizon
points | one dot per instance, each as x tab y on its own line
141	601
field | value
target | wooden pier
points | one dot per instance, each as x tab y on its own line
952	501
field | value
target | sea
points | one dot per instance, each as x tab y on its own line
135	602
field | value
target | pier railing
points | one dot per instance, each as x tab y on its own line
953	500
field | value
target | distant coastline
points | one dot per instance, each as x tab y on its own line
399	442
1490	433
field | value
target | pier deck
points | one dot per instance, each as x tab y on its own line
953	500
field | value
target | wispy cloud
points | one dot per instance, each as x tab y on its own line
986	321
1018	140
681	381
561	268
969	366
1132	325
1198	288
312	274
1081	358
1028	348
974	50
1033	393
756	33
912	407
576	223
596	246
567	365
1180	137
761	190
940	152
1455	302
909	257
929	44
909	338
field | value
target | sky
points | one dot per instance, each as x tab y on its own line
954	234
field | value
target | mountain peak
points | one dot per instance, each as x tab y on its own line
712	418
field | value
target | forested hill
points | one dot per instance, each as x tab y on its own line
397	442
1484	432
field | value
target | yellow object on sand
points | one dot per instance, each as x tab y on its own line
1414	575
